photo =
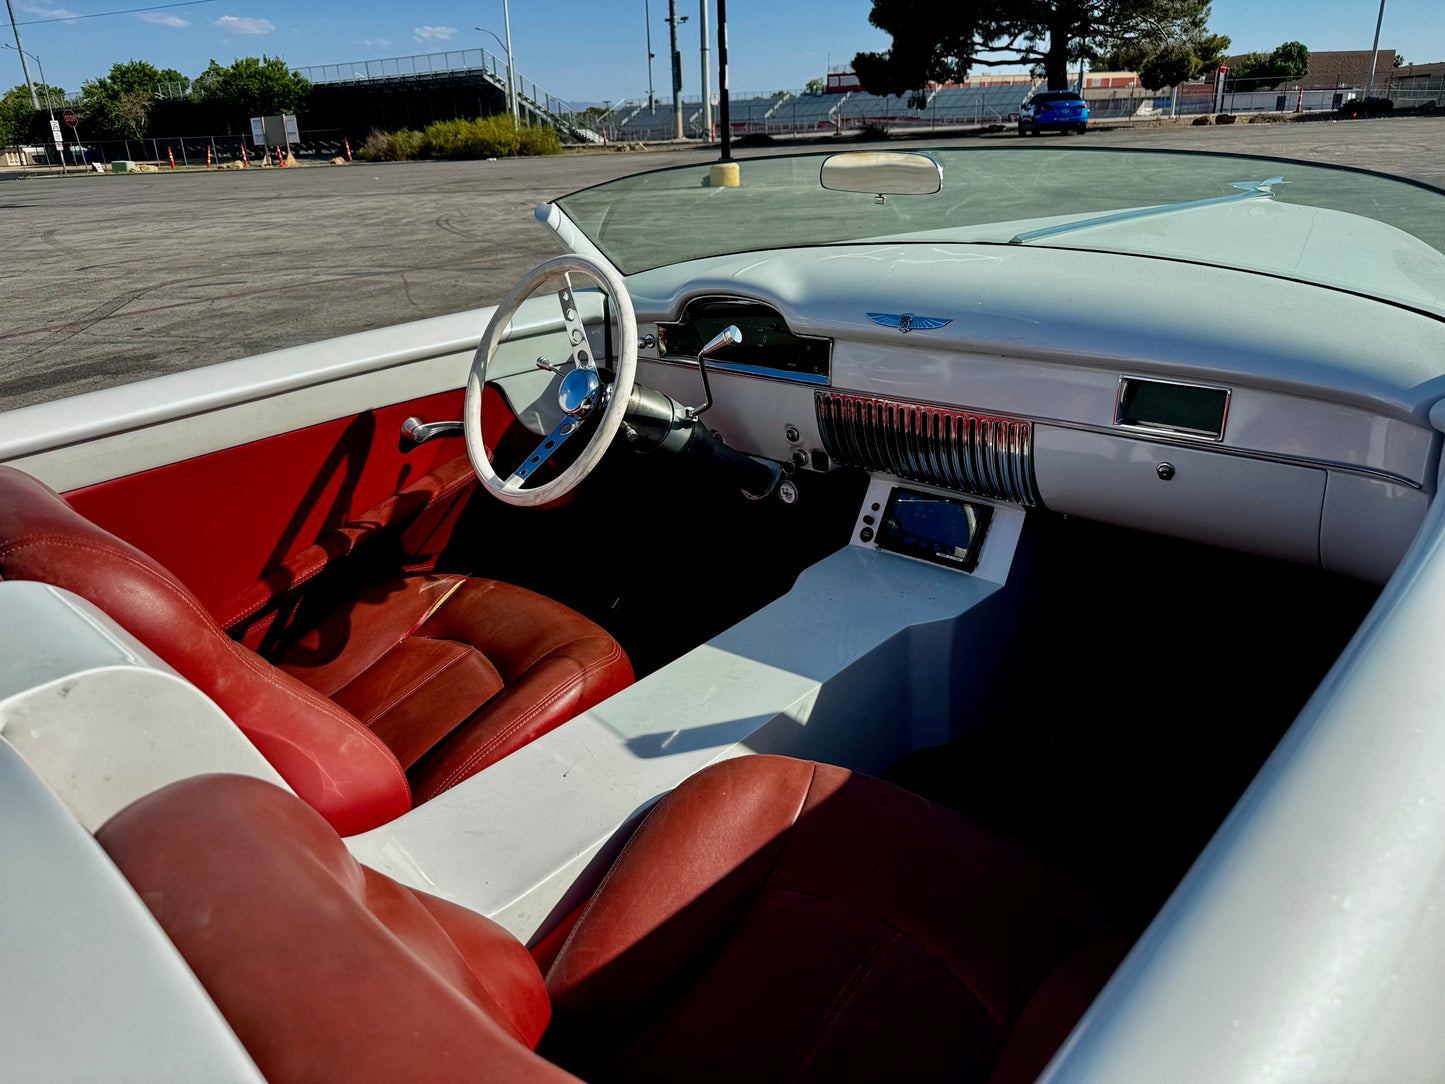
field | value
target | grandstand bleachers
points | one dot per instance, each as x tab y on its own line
787	113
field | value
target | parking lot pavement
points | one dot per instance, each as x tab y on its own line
112	279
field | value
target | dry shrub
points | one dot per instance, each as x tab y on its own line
539	140
392	146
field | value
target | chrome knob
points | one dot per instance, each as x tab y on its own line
728	336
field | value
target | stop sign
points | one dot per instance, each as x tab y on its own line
70	117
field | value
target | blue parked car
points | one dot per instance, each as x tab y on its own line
1061	109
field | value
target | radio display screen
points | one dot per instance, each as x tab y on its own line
938	529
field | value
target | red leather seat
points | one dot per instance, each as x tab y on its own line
772	919
397	695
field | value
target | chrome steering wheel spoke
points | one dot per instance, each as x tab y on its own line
576	333
554	440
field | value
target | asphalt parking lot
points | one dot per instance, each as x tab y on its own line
112	279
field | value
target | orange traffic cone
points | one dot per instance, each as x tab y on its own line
172	157
208	157
347	142
244	160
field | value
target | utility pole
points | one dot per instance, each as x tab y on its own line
672	21
1374	52
511	69
722	79
706	76
20	48
647	17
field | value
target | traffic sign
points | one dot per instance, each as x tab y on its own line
70	118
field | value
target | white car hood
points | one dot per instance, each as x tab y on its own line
1310	244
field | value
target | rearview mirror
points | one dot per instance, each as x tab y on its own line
883	173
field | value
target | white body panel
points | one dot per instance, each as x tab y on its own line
98	716
93	989
1305	942
880	679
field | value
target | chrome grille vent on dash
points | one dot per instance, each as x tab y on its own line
982	454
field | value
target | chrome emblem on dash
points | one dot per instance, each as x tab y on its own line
906	322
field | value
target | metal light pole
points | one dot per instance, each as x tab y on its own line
49	105
706	75
511	68
722	79
676	70
511	85
647	17
19	48
1374	51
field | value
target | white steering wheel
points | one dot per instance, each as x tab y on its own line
580	393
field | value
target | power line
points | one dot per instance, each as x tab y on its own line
103	14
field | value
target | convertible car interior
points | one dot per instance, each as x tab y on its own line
819	643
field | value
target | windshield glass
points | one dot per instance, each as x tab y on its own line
1365	232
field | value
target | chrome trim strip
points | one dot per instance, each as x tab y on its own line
746	370
1248	190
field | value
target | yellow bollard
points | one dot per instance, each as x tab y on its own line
724	175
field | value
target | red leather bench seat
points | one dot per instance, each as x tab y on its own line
772	919
438	676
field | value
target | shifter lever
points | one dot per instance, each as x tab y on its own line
728	336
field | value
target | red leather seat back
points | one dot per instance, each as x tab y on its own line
327	970
327	756
778	919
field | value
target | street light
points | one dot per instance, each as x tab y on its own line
1374	52
49	104
15	29
511	72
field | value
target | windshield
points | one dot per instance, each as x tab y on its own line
1351	229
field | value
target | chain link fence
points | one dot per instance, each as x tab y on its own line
184	150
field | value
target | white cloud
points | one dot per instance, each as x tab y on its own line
374	43
160	18
433	33
48	13
242	25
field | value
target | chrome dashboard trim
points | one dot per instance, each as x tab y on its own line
918	460
1156	430
985	455
761	371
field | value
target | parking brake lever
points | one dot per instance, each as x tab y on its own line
728	336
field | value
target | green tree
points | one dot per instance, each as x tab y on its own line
1169	66
1259	71
17	115
172	84
813	86
253	87
1166	63
19	122
942	42
119	104
1290	61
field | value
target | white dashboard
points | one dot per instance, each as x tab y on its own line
1324	454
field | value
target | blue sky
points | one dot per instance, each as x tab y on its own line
588	50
